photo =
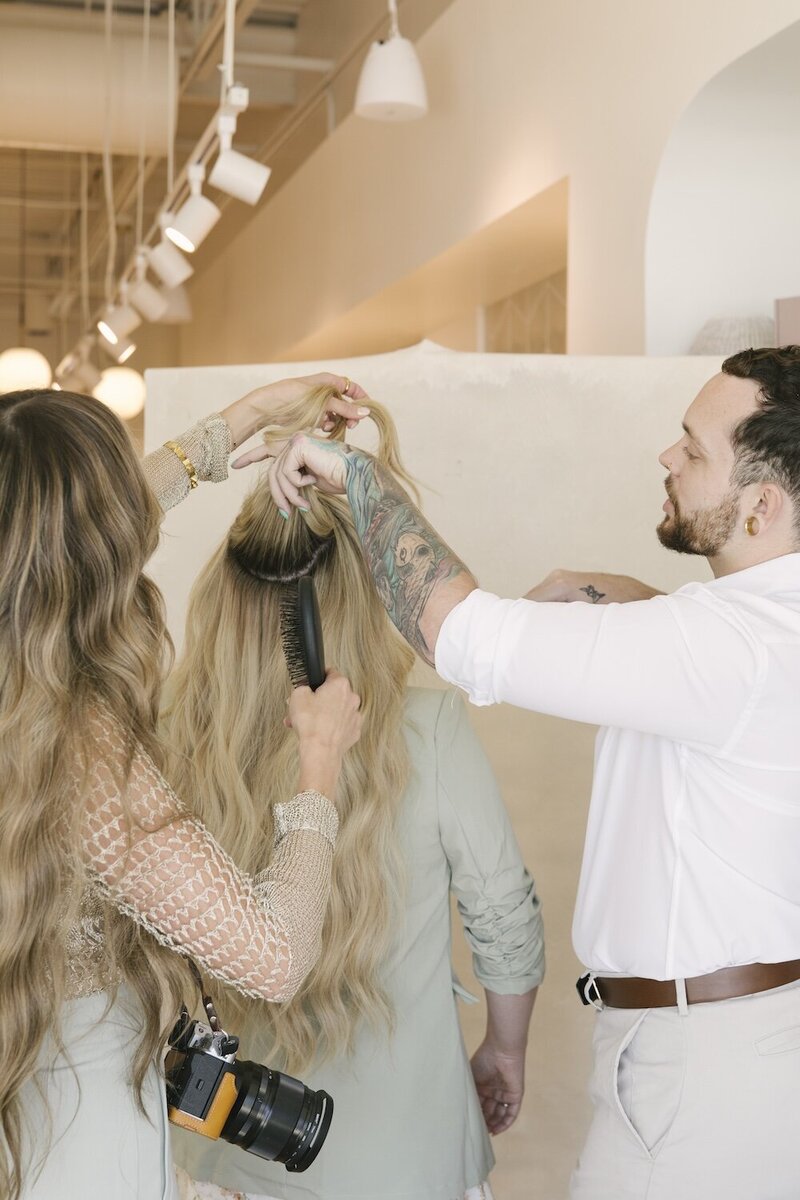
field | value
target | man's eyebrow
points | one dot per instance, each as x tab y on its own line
693	436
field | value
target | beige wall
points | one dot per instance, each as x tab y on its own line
522	95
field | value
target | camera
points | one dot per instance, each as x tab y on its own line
265	1112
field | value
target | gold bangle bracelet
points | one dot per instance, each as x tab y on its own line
188	465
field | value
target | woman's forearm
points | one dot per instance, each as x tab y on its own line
508	1020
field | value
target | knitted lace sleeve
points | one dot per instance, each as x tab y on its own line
207	445
261	934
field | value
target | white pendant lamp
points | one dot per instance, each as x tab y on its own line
235	173
143	296
391	86
196	218
22	367
122	390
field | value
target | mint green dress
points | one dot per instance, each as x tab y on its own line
407	1123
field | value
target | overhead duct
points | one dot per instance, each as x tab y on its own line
53	90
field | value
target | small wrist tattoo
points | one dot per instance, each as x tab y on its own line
592	592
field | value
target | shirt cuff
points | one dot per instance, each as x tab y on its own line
467	644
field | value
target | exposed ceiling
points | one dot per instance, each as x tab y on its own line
300	60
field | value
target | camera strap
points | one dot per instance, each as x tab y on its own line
208	1003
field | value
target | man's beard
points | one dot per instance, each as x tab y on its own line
703	532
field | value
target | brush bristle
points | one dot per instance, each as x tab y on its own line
290	636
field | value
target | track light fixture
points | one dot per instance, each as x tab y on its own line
122	351
148	299
166	259
196	218
235	173
119	320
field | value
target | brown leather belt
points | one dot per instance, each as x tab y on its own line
726	984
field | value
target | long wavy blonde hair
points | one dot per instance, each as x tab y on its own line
79	625
236	759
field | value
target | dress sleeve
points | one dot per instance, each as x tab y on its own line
496	896
207	445
683	666
260	934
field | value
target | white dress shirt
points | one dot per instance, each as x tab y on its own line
692	853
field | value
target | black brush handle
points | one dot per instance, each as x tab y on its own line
310	628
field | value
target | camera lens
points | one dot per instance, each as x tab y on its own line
277	1117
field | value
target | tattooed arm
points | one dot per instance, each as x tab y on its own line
590	587
418	577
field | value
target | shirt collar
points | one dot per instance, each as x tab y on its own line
781	574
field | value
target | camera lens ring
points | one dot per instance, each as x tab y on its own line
277	1117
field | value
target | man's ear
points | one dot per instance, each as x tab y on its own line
769	504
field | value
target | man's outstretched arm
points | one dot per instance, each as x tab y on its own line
418	577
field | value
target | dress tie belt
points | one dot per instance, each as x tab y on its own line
726	984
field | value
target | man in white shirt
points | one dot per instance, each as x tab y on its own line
688	910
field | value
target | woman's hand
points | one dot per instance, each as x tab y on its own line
500	1083
266	406
327	723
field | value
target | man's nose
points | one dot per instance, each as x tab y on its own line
667	459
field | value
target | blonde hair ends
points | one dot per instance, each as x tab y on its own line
80	625
235	759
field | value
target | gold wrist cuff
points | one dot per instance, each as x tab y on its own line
188	465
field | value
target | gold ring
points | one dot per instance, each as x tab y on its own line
346	387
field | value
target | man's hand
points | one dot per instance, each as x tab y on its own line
590	587
500	1083
303	460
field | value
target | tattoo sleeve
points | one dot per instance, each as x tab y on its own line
406	556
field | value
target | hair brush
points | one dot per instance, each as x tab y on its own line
301	633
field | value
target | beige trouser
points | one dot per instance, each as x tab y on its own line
699	1106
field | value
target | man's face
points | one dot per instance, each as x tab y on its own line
703	507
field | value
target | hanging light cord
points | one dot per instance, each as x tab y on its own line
170	97
84	251
394	28
23	180
143	125
228	47
108	173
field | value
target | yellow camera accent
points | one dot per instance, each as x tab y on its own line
218	1114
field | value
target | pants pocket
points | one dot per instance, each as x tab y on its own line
648	1078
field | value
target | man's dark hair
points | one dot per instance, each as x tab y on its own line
767	443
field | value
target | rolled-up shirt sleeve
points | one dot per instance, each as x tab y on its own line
683	666
495	894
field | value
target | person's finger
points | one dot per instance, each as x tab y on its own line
257	454
276	491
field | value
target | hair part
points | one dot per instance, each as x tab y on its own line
80	626
236	760
767	443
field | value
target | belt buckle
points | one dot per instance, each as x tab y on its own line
589	992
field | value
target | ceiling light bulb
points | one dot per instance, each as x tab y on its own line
122	351
122	390
22	368
196	218
235	173
391	86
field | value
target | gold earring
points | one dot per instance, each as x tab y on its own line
751	526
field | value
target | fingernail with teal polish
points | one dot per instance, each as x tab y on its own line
284	514
302	509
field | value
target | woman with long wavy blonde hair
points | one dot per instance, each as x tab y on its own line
103	875
375	1020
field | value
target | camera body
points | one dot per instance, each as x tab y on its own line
264	1112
